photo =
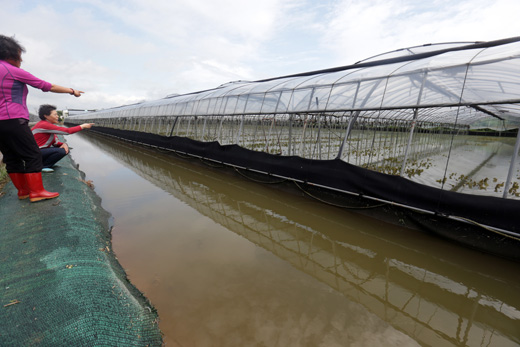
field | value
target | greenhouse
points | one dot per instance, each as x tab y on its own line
432	129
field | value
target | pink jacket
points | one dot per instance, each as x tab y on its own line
13	90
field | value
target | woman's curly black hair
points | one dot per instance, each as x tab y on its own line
10	48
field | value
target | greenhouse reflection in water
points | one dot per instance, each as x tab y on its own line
233	262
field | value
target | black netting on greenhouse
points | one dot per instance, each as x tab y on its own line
339	175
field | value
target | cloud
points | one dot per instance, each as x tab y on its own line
359	29
120	52
129	48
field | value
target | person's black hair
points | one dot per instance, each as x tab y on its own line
10	48
45	110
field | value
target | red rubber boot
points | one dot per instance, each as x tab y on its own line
20	183
37	192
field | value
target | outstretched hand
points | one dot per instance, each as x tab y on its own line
77	93
86	125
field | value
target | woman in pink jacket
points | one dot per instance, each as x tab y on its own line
22	156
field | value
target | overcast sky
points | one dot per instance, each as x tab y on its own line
124	51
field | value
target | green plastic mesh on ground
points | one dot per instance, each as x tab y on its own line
60	283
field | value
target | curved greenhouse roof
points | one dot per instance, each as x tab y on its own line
477	81
397	129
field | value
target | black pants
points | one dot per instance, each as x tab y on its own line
17	144
52	155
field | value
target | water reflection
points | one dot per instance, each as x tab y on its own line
434	292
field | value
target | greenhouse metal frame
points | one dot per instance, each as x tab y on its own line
397	128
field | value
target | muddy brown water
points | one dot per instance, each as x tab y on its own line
228	261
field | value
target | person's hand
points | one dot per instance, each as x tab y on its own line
65	147
86	125
76	93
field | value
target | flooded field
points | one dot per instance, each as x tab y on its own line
229	261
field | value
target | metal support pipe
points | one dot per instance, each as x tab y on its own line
268	140
318	115
240	130
512	166
203	128
415	114
350	122
406	152
219	137
173	125
290	134
302	135
188	128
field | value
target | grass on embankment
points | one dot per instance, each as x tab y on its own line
3	177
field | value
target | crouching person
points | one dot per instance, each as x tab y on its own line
45	133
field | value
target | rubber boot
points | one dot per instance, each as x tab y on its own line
37	192
20	183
